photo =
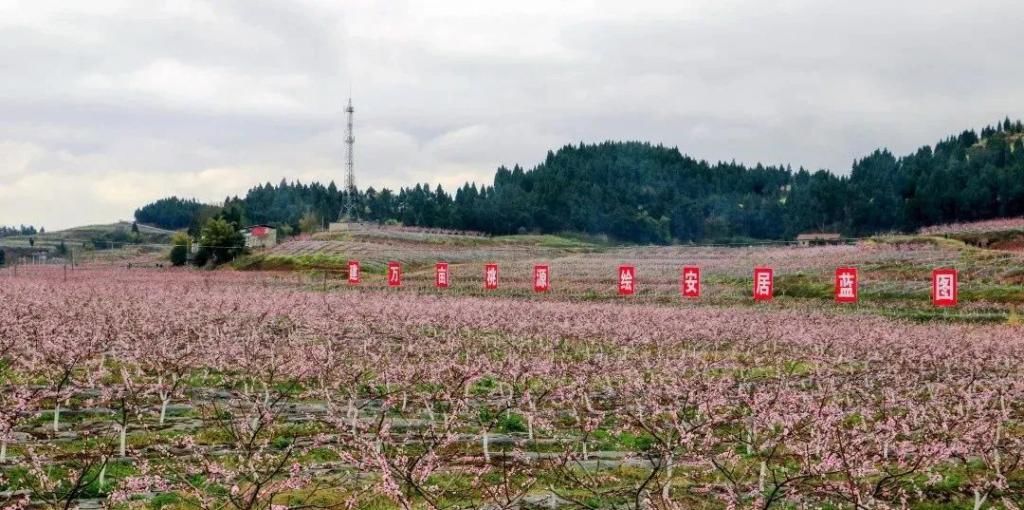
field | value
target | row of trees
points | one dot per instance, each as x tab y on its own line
20	230
647	193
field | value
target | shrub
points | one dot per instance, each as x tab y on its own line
180	248
201	257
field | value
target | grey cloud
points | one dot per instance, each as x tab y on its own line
111	103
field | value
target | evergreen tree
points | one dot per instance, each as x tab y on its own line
647	193
220	241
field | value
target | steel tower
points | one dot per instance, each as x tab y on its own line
350	167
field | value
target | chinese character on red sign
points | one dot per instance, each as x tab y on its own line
353	272
394	274
491	276
763	283
441	275
944	287
689	283
541	278
627	280
846	285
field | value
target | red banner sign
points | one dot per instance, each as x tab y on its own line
353	272
441	275
627	280
394	274
944	287
764	283
541	278
847	283
491	276
689	282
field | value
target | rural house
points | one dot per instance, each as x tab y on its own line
818	238
260	236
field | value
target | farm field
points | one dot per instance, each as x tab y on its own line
270	389
895	271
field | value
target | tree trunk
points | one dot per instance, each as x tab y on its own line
124	439
979	500
487	451
762	476
353	416
666	489
56	416
163	409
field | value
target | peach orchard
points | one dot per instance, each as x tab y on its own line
245	390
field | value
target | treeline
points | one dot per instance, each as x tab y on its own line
20	230
176	213
647	193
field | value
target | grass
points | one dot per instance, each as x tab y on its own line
1011	294
948	315
309	262
802	286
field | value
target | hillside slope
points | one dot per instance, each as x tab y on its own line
643	193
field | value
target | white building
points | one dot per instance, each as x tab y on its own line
260	236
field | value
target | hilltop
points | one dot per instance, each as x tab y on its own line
643	193
107	241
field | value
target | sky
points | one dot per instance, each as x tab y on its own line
107	105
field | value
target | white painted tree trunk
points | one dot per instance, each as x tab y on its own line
3	451
254	422
762	477
979	500
666	489
508	401
124	439
487	452
103	477
56	417
529	418
750	436
163	409
353	416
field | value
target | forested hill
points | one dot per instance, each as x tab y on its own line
644	193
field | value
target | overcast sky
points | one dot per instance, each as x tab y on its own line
106	105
